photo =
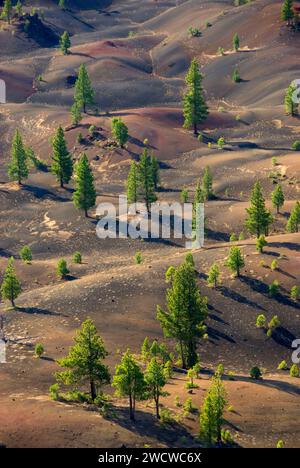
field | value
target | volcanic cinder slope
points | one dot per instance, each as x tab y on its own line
137	54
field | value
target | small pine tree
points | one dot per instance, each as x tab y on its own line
39	350
119	131
236	42
77	258
145	177
282	365
184	196
65	43
278	198
19	9
235	260
62	268
207	184
84	93
62	165
195	110
11	286
129	381
155	380
84	362
76	114
26	254
294	219
274	288
213	275
259	218
295	293
132	183
280	444
17	168
84	196
294	371
261	243
287	13
261	321
236	78
145	349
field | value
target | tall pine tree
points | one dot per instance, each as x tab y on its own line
62	165
84	93
132	183
278	198
259	218
146	183
287	13
84	196
195	110
11	286
17	168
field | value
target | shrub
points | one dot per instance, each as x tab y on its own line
274	323
294	371
255	373
188	407
26	254
226	437
194	32
261	321
236	76
166	416
221	142
282	365
54	391
296	145
62	268
138	258
39	350
77	258
189	259
92	130
274	265
280	444
295	293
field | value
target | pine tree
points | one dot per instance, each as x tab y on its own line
261	243
62	268
278	198
207	421
195	110
84	93
119	131
207	183
132	183
62	165
19	9
219	401
236	42
294	219
155	380
76	114
259	218
235	260
65	43
155	171
184	196
84	362
129	381
11	286
186	311
287	13
145	178
7	10
291	106
26	254
17	168
211	416
213	275
84	196
145	349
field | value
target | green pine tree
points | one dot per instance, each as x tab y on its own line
236	42
207	184
195	110
278	197
261	243
132	183
11	286
213	275
17	168
62	165
259	218
155	380
129	381
84	196
76	114
19	8
207	421
185	314
119	131
84	362
26	254
287	13
291	107
145	177
235	260
84	93
294	219
65	43
145	349
7	10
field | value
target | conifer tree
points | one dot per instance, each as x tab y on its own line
213	275
7	10
62	268
155	380
132	183
17	168
211	416
26	254
195	110
278	198
207	183
236	42
261	243
294	219
19	9
235	260
155	171
291	106
84	93
62	165
84	363
259	218
76	114
65	43
207	421
129	381
119	131
287	13
145	349
84	196
145	177
186	311
219	401
11	286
